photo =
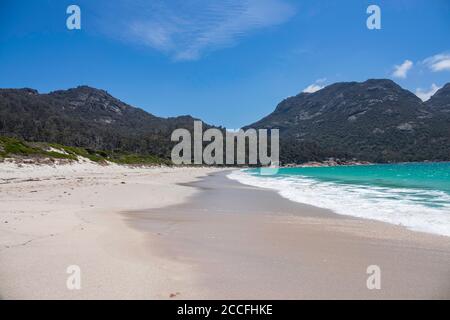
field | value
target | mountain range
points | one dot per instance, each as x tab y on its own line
86	117
375	120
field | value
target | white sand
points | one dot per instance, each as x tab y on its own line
135	235
52	217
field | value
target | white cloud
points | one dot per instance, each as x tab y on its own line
312	88
438	62
426	95
185	30
316	86
401	71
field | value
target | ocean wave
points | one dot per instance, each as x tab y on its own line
416	209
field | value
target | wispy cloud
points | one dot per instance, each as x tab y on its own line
316	86
401	71
185	30
438	62
427	94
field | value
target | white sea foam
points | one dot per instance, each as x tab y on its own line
420	210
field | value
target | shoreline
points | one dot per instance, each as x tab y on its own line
390	194
192	233
245	242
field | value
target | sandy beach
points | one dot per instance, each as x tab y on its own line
187	233
55	217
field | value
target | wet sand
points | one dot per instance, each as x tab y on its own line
242	242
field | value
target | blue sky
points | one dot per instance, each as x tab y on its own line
227	62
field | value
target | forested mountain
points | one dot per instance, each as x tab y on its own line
375	120
86	117
440	101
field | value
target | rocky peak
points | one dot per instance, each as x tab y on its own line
441	99
90	99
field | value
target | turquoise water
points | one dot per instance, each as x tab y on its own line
416	195
432	176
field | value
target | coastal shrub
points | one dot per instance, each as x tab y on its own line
76	151
13	147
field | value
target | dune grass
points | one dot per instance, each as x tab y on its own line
16	148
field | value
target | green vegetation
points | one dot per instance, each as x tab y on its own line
15	148
96	156
10	147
